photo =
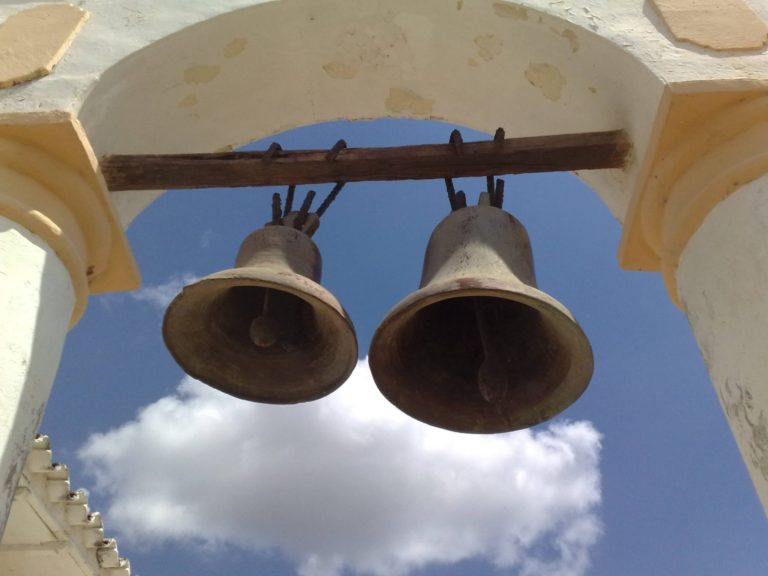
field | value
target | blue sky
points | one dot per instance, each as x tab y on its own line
640	476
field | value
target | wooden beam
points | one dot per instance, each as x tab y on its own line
565	152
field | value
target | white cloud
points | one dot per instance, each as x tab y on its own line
350	483
161	295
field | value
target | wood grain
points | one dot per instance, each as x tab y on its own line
564	152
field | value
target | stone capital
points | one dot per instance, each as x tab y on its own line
709	145
51	185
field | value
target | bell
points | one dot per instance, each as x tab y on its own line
265	330
478	348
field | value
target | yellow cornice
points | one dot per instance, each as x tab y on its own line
50	184
707	145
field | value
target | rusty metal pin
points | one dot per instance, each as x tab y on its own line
301	217
289	200
334	152
456	141
271	152
276	210
490	186
499	194
330	198
451	194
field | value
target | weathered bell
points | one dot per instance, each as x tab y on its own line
478	348
265	330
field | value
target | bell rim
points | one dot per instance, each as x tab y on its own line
568	392
300	286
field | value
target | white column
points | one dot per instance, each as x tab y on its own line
36	304
723	283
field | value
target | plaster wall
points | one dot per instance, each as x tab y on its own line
633	25
159	77
722	280
146	76
265	69
36	300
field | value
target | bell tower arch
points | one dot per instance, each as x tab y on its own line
686	81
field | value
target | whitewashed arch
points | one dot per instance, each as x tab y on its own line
262	69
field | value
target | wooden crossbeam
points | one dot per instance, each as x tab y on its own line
565	152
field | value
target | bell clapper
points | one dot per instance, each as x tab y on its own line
492	376
265	330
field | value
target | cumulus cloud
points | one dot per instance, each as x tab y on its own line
348	483
160	295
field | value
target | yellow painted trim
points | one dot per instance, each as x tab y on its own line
714	24
51	185
712	143
20	196
634	252
33	41
714	177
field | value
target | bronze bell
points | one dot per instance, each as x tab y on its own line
265	330
478	348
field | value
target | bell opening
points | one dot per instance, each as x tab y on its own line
482	362
209	331
290	321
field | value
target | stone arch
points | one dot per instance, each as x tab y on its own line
259	70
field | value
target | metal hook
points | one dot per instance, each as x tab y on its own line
456	141
334	152
276	210
289	199
330	198
301	217
271	152
451	194
498	196
490	186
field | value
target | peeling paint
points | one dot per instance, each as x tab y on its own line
593	19
187	101
12	478
374	46
235	47
340	70
201	74
739	406
505	10
489	46
371	47
546	78
33	41
406	100
570	36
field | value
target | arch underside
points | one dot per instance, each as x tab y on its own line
270	67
